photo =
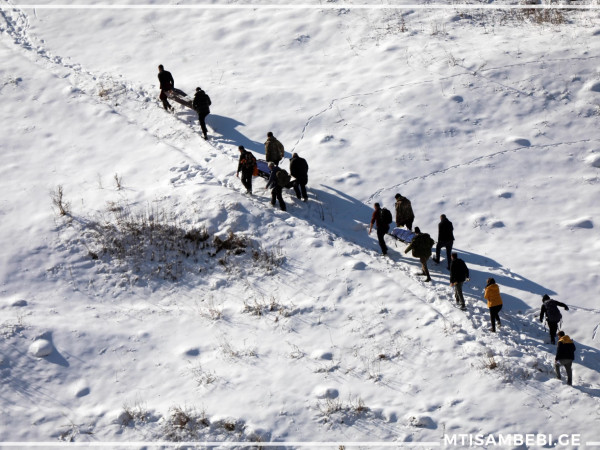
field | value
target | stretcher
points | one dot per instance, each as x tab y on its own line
402	234
263	169
177	95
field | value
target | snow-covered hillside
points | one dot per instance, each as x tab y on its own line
300	331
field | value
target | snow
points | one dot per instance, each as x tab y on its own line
123	321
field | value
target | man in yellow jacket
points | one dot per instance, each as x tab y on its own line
494	302
565	354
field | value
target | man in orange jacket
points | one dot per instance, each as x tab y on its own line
494	302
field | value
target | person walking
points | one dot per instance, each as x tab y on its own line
246	165
299	170
201	105
552	313
276	188
404	212
459	273
421	248
167	83
381	225
445	239
565	354
274	150
494	302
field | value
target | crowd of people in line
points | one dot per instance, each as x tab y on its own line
421	244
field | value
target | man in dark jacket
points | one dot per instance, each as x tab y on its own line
404	212
553	315
246	165
565	354
167	83
274	150
299	170
459	273
382	227
445	239
201	105
421	248
276	189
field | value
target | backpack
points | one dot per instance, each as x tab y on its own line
422	244
552	312
283	178
386	216
249	161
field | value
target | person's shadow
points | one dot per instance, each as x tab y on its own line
227	128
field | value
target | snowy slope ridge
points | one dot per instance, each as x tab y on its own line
308	334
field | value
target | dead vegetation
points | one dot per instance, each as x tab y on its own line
155	243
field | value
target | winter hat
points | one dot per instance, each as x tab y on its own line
417	230
198	89
241	147
397	196
545	297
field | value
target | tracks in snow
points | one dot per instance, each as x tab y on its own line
132	99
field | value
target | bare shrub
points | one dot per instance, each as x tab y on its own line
236	243
255	309
213	311
118	181
358	405
489	362
133	414
183	424
537	15
262	308
58	201
344	412
151	243
296	353
329	406
231	352
201	376
269	259
15	328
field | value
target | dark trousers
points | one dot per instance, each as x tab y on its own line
553	327
202	119
276	194
567	363
438	250
247	180
458	293
494	310
424	260
165	102
300	188
381	238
